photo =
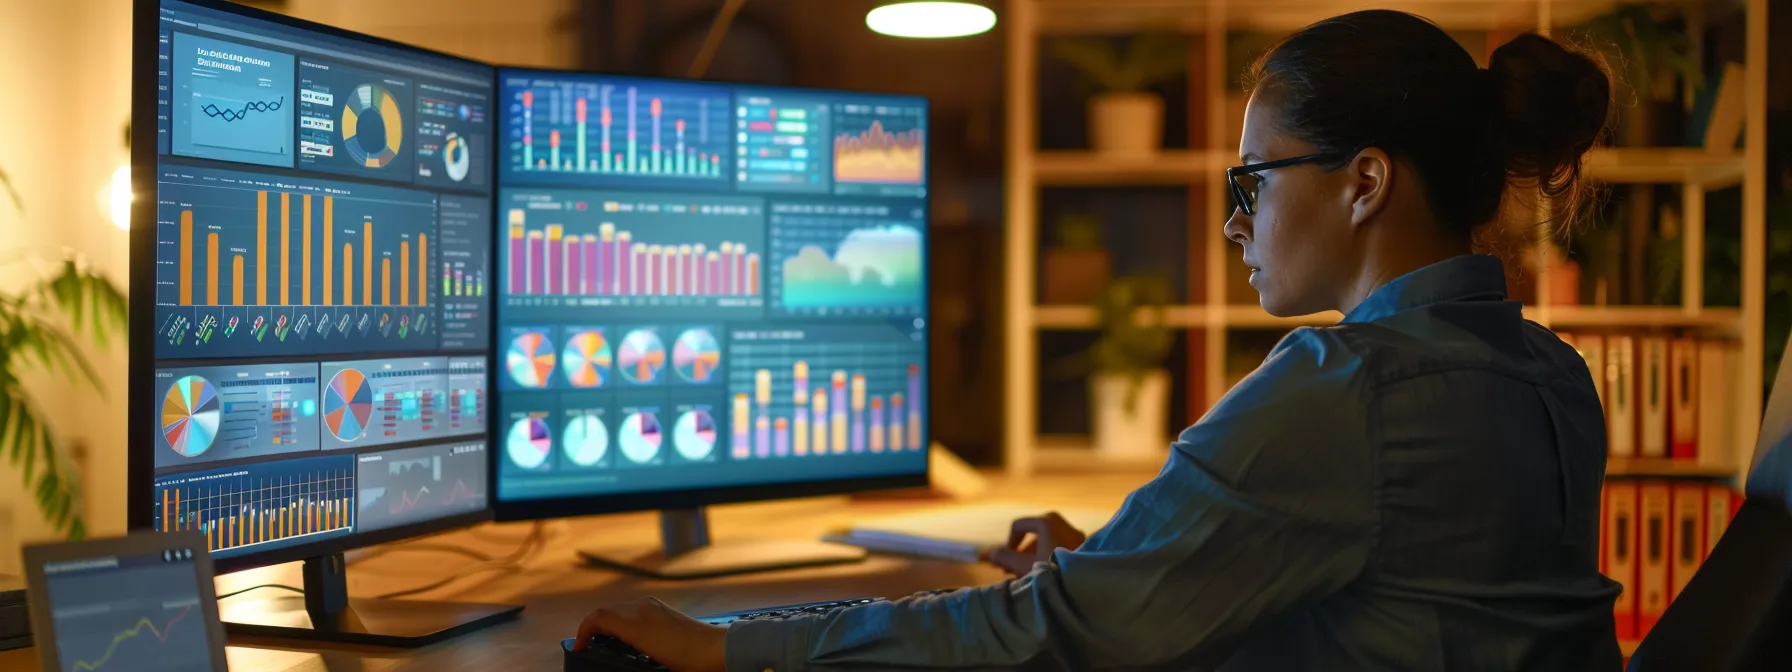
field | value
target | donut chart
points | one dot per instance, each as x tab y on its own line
456	158
530	360
586	440
348	404
528	442
696	356
586	360
695	436
640	438
642	357
190	413
372	126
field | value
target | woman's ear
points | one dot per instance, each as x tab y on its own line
1371	176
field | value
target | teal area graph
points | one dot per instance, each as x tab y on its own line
847	259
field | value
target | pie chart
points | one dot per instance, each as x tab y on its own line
348	403
372	126
586	359
190	416
528	443
586	440
696	356
530	360
640	438
455	157
641	357
695	435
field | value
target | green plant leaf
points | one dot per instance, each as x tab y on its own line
1094	58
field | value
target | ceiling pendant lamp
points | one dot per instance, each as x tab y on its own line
931	19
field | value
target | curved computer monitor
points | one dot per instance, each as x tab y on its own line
705	293
309	249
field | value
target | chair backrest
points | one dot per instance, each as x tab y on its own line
1736	614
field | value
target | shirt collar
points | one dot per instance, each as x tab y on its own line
1461	278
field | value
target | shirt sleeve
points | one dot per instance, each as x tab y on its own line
1264	506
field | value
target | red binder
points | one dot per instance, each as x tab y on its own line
1654	502
1683	399
1687	536
1618	546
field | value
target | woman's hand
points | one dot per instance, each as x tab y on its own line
679	642
1033	540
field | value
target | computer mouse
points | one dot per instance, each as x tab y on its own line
606	654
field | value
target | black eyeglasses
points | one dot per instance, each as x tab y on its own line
1244	191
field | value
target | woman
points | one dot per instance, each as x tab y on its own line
1416	488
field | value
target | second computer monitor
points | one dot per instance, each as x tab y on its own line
706	293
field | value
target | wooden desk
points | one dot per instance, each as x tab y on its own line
558	590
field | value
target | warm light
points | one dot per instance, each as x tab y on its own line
118	198
931	19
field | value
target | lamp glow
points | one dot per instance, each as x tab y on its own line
119	197
931	19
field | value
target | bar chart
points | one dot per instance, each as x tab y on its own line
465	227
261	505
219	413
620	131
847	260
826	391
672	256
880	149
262	266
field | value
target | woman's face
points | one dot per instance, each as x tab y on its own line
1298	242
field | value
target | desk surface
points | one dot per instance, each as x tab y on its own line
558	590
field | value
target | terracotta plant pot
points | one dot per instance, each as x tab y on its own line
1127	124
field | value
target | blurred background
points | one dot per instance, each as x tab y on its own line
1082	295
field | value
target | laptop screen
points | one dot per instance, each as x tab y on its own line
137	612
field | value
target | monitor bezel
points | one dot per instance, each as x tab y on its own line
691	498
43	626
140	376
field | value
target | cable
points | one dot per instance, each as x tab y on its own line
235	593
531	544
713	41
421	547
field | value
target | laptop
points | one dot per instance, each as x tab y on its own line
141	603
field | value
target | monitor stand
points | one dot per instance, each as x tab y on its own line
327	614
687	553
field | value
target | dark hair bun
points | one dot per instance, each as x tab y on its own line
1552	105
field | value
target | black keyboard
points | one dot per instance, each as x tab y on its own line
608	653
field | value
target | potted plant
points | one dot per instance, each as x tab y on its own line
1647	46
1125	118
1076	266
1128	387
39	325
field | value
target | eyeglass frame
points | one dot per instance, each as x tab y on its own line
1249	206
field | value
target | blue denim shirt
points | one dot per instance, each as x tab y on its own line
1416	488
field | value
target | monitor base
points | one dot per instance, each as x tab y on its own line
327	614
687	553
725	559
396	623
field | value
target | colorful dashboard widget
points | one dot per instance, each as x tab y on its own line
607	131
588	358
880	148
465	224
835	259
641	439
466	395
782	142
531	360
355	122
587	436
414	485
528	441
383	401
641	357
697	356
222	413
694	434
232	102
453	135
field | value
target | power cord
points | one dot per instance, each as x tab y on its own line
235	593
531	545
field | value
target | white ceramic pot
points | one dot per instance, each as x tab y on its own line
1139	432
1130	124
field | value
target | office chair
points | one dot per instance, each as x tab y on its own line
1736	614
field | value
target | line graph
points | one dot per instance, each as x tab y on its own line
229	115
161	635
413	485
